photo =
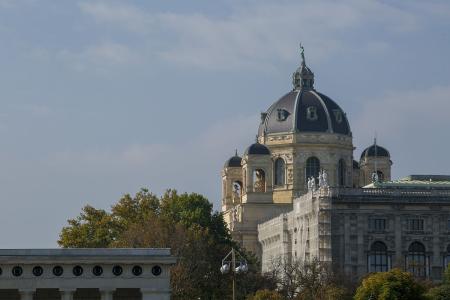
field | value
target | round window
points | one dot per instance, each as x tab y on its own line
77	270
17	271
156	270
97	270
117	270
37	271
58	271
137	270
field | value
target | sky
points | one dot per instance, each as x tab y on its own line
101	98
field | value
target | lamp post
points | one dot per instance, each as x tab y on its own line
229	264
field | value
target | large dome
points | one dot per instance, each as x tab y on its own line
304	109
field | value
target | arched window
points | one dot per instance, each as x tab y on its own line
259	181
416	261
378	258
237	191
341	172
380	176
312	168
279	172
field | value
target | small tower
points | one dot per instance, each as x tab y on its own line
257	168
232	182
375	160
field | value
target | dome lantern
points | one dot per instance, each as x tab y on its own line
303	77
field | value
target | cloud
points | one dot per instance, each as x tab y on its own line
413	125
127	16
100	56
255	33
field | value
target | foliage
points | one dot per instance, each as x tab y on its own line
186	223
93	228
441	292
392	285
265	295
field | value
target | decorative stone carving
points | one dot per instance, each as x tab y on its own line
280	138
290	175
260	183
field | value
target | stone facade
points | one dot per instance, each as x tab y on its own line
85	274
345	226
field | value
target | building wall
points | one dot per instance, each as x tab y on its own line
334	225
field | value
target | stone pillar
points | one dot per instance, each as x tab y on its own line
26	294
67	294
153	294
106	294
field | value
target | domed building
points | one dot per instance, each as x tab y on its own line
301	134
298	193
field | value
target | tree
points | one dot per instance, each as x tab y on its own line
186	223
392	285
93	228
305	280
441	292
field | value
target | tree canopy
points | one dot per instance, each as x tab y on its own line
392	285
186	223
441	292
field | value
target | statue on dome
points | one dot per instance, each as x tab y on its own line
302	53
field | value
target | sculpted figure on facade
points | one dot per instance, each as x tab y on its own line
374	177
320	179
237	192
260	182
324	179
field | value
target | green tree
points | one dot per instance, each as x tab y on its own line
186	223
441	292
392	285
93	228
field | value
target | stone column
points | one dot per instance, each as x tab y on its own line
106	294
26	294
67	294
153	294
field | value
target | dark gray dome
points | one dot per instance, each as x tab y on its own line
233	162
375	150
257	148
304	110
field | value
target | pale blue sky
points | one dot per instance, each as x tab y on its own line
100	98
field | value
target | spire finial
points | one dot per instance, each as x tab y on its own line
256	138
235	152
375	166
